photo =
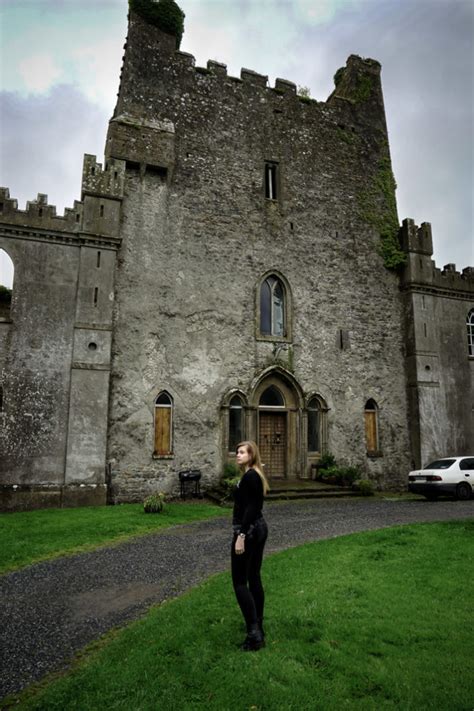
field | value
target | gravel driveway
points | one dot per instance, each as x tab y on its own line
51	610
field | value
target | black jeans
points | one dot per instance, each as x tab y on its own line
246	575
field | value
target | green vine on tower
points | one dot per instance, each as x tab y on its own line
164	14
385	220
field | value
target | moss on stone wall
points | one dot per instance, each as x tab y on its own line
164	14
363	88
385	220
338	75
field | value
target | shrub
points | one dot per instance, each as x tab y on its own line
155	503
164	14
327	460
231	470
330	473
364	486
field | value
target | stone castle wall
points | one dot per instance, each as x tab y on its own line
55	345
440	371
198	235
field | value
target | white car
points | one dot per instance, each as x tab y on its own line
452	476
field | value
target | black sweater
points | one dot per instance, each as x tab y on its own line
248	500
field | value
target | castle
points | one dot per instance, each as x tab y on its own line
234	270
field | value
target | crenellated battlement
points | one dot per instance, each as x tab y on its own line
98	212
39	213
153	67
105	182
421	271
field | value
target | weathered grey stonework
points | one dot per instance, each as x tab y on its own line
186	236
56	343
440	372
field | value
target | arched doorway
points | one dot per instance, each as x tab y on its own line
276	402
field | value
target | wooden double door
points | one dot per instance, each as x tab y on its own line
273	443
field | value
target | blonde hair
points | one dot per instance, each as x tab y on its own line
255	462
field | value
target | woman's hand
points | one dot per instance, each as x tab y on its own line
239	545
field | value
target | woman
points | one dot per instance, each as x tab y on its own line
250	534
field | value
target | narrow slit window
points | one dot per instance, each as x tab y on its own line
271	181
96	295
98	260
101	210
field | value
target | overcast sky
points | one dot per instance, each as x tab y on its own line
60	68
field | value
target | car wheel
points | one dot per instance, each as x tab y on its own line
463	491
431	497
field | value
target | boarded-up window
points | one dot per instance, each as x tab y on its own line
371	426
163	424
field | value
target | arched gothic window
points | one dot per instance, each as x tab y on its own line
272	307
272	397
371	426
6	285
314	425
163	425
236	422
470	332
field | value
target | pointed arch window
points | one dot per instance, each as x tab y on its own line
273	307
6	285
470	332
236	422
314	425
163	425
371	426
272	397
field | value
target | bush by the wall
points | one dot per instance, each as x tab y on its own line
155	503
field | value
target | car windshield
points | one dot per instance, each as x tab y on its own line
440	464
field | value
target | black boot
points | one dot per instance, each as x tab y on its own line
254	639
260	626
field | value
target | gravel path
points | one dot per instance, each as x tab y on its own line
51	610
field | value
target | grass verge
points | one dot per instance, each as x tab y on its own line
32	536
376	620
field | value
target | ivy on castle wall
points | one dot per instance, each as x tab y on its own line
164	14
338	75
385	220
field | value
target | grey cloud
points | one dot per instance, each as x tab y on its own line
43	141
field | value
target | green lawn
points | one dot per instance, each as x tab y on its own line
377	620
31	536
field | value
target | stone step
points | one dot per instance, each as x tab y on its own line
292	492
309	494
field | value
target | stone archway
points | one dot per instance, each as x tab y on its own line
276	403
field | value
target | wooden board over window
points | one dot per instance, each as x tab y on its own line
371	430
162	430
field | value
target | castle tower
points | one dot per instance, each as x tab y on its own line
235	190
